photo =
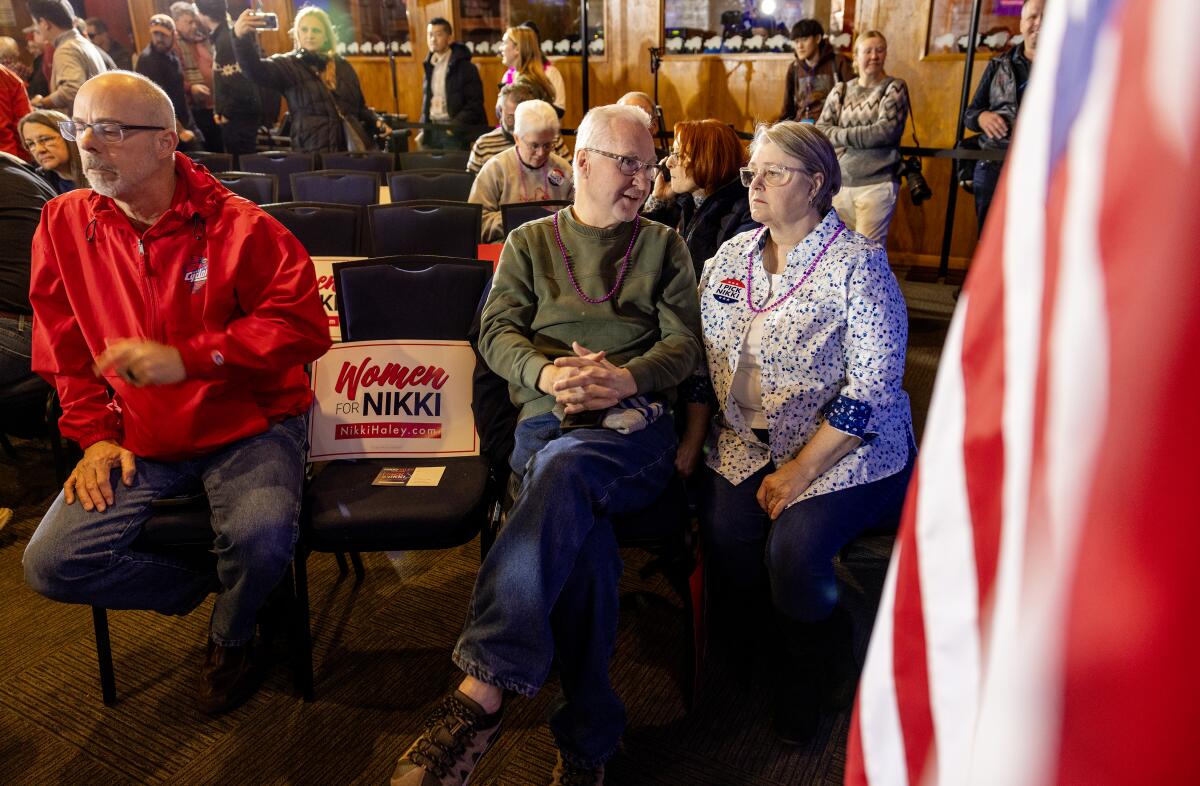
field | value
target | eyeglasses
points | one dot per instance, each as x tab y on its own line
675	158
774	175
41	141
539	147
108	131
629	167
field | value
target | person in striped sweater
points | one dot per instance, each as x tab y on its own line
864	120
501	138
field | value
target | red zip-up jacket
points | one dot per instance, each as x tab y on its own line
215	277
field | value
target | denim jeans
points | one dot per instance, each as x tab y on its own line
547	592
16	340
987	175
253	488
794	553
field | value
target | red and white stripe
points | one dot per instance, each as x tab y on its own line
1066	396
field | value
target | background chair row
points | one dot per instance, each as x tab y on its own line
413	227
347	186
286	161
410	227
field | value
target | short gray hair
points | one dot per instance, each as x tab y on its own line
533	117
596	128
517	91
804	142
183	8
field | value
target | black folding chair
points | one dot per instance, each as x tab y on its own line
336	186
434	159
182	528
258	187
343	511
424	227
373	161
323	229
452	185
214	162
517	213
281	163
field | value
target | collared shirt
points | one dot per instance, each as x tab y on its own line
437	85
832	351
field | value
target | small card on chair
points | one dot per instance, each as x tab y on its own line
409	476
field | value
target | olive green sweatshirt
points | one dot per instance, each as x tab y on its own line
651	326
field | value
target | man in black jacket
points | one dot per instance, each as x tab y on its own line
22	195
237	103
453	90
159	63
993	110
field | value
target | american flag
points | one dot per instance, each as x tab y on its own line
1039	618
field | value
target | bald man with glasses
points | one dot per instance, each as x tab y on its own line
174	319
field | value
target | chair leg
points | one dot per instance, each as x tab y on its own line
108	680
8	447
343	568
359	571
302	657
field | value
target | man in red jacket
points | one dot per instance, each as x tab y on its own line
198	312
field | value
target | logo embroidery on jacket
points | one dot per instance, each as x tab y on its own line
196	273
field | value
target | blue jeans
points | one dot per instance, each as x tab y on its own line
794	553
547	592
987	175
253	488
16	340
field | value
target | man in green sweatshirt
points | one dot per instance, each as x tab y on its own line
593	320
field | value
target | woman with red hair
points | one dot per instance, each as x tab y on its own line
703	197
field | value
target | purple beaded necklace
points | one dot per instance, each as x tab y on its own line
800	283
637	222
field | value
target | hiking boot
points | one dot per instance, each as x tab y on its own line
229	676
456	735
567	774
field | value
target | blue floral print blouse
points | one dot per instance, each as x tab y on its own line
833	351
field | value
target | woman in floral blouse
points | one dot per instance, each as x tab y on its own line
805	332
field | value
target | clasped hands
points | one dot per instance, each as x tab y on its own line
586	381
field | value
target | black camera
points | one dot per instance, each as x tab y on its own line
918	189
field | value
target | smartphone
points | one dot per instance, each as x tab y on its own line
271	21
587	419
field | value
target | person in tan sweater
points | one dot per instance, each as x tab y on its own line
527	172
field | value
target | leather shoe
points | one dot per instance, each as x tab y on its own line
229	676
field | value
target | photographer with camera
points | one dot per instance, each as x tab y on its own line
322	91
864	119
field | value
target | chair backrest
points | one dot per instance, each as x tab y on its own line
517	213
324	230
430	184
214	162
259	188
282	164
424	227
420	298
374	161
336	186
434	159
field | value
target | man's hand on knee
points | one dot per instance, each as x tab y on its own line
89	480
141	362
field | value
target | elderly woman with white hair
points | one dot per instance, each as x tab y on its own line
805	331
527	172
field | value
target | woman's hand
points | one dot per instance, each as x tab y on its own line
247	22
782	487
687	457
662	189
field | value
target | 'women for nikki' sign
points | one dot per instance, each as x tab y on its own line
386	399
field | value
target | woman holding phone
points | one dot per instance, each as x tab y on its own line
322	91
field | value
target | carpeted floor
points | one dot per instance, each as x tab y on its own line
382	657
